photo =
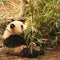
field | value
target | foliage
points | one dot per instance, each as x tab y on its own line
44	16
45	21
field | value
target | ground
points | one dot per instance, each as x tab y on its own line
49	55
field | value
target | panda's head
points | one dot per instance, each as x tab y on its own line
15	27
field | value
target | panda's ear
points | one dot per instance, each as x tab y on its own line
12	20
21	20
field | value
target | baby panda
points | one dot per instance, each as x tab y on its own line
14	42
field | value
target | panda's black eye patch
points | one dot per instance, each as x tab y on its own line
22	26
12	26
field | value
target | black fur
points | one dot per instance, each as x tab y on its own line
12	26
14	41
27	53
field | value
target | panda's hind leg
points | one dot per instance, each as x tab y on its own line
41	52
36	53
27	53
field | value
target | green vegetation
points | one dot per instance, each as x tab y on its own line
44	16
45	21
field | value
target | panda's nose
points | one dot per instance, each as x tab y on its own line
12	26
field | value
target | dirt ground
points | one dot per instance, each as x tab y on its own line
49	55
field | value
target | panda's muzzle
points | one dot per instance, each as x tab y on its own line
12	26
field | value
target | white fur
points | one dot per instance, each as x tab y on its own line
15	50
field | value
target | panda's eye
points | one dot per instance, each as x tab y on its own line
12	26
22	26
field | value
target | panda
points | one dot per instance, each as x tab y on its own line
14	42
